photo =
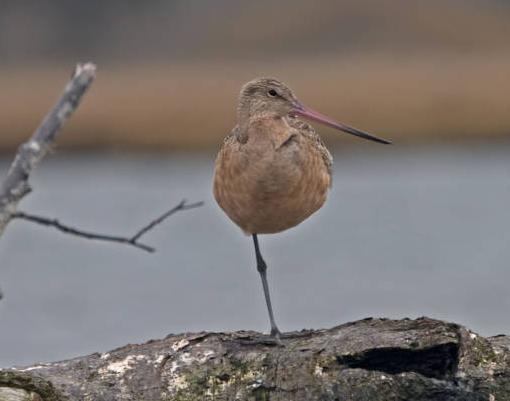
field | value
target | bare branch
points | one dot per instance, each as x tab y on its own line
15	185
133	241
183	205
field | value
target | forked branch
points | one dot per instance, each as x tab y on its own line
133	240
15	186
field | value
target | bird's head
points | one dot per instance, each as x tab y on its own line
271	97
266	96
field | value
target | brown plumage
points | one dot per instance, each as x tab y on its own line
273	170
274	180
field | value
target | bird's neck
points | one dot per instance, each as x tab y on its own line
267	128
245	118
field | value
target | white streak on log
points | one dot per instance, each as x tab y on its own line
120	367
180	344
17	394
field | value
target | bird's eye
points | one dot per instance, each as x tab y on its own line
272	93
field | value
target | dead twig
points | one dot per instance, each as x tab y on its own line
16	186
133	240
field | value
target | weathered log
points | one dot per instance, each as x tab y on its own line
371	359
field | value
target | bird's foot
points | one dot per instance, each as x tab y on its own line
296	334
275	338
262	340
276	333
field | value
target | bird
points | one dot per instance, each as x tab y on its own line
273	170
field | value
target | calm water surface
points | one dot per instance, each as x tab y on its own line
405	232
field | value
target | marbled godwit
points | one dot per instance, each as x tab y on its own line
273	170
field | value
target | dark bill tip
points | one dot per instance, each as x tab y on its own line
315	116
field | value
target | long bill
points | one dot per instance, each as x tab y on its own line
320	118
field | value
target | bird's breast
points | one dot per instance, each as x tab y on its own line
271	184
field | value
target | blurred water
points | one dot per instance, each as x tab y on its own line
405	232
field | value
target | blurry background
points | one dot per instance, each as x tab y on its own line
418	228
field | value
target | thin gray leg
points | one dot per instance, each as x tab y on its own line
262	268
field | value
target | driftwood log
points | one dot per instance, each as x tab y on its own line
371	359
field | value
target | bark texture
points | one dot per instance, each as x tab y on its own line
371	359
